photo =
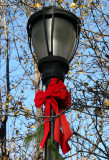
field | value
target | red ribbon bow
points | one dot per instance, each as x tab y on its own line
56	90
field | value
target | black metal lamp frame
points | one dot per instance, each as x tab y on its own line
53	66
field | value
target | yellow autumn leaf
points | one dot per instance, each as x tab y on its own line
75	77
70	72
16	112
27	130
98	38
28	109
100	133
100	125
26	114
85	13
96	81
81	72
33	5
25	61
11	108
8	95
93	119
98	6
32	126
6	103
106	103
17	132
10	98
6	107
85	84
13	144
73	5
90	134
83	6
79	63
30	4
37	5
98	45
102	35
18	103
94	158
23	107
60	1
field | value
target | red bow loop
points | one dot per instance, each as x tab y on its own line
56	91
39	99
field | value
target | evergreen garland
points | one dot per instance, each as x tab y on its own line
54	151
38	136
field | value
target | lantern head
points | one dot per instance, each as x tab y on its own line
55	37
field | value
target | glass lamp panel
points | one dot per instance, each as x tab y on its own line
64	37
48	23
38	40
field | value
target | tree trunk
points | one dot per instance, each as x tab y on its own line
39	150
4	119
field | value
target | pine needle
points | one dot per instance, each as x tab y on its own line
37	136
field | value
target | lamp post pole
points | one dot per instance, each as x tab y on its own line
48	154
54	33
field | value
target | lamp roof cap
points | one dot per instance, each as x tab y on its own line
48	11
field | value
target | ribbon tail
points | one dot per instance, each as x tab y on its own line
65	127
64	145
57	130
60	137
54	105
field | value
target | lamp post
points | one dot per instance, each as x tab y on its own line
54	33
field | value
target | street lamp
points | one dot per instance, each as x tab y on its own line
54	33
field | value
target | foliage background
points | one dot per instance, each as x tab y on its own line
87	80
